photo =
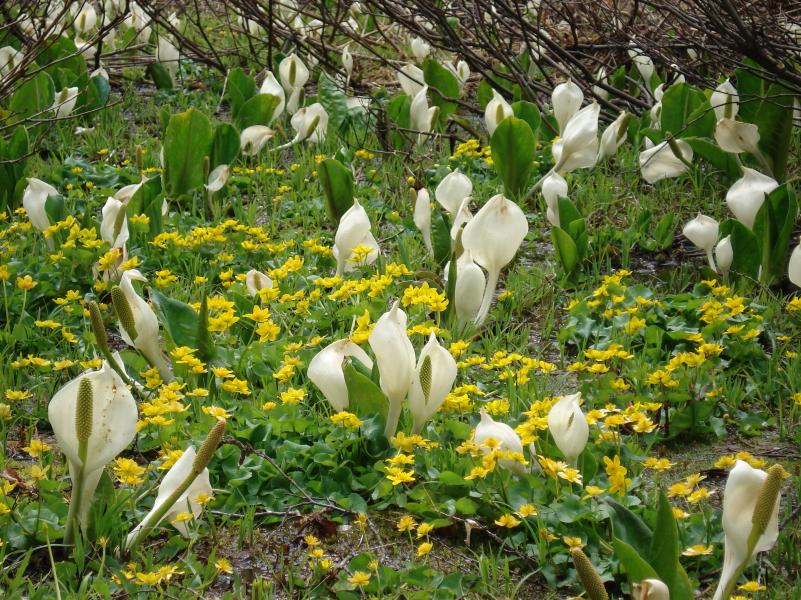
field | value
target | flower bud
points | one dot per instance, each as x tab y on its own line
767	500
83	411
123	310
588	576
208	447
98	328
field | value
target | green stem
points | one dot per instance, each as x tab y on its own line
74	513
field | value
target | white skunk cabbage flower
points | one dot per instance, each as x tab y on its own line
109	427
310	123
659	162
566	100
421	117
737	137
794	266
254	138
746	195
10	58
469	290
494	236
650	589
462	216
354	231
432	382
500	432
600	77
186	502
325	371
568	427
255	281
743	489
725	101
554	186
293	73
452	191
145	323
411	79
34	199
271	86
86	19
703	231
167	55
420	49
578	147
65	101
643	63
347	61
218	178
422	217
394	356
496	111
724	255
114	224
613	136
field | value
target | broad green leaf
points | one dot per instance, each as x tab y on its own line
12	165
334	102
147	200
725	161
529	112
630	528
466	506
398	110
637	568
451	478
179	319
97	93
773	228
664	553
55	209
663	233
566	250
33	97
337	182
258	110
513	146
205	344
239	88
187	143
224	145
161	77
365	398
441	237
61	54
568	211
679	102
443	87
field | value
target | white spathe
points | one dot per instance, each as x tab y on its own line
659	162
353	230
293	73
794	267
186	502
500	432
422	217
255	281
613	136
746	196
743	487
568	427
725	101
650	589
494	236
554	186
271	86
566	100
114	224
703	231
310	123
452	191
425	399
325	371
469	289
34	199
394	356
254	138
737	137
496	111
65	101
218	178
411	79
724	255
578	147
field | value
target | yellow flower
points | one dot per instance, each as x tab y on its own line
14	395
658	464
752	586
128	472
26	283
424	548
36	448
424	529
526	510
406	523
236	386
217	412
398	476
359	578
508	521
223	565
573	542
292	395
697	550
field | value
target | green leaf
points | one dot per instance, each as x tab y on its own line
161	77
33	97
333	100
60	54
258	110
441	237
746	247
147	200
679	102
451	478
663	233
337	182
179	319
365	398
725	161
187	142
566	250
664	552
12	165
205	345
465	506
97	93
55	209
224	145
630	528
444	87
513	144
239	88
398	110
774	225
637	568
529	112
